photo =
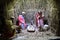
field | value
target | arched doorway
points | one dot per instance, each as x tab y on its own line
54	14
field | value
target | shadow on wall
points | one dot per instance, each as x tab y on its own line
55	39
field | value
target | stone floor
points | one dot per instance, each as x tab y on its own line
24	35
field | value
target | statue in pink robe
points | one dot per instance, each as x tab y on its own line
21	21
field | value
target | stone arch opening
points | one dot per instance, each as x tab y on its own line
54	19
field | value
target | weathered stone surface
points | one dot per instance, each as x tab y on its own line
34	35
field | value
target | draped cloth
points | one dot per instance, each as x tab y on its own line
22	21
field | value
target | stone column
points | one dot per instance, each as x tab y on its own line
53	8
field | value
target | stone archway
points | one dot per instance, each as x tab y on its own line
54	6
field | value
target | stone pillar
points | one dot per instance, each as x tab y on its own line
54	11
5	22
58	14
